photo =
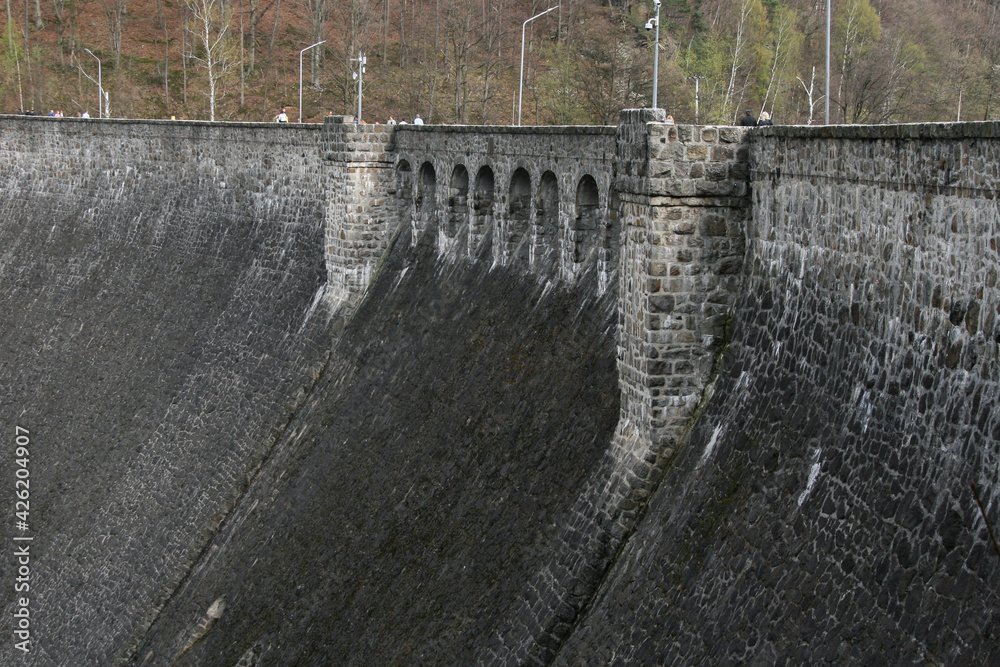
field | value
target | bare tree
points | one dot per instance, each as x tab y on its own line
491	61
359	19
166	53
810	94
463	34
317	12
749	15
60	8
115	15
13	53
274	30
210	25
858	31
783	51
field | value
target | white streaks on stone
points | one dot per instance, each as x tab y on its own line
312	307
710	447
813	476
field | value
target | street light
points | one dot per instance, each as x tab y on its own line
300	74
826	103
520	89
656	50
696	79
100	89
360	76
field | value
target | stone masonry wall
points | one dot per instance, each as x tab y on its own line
475	166
823	510
684	225
682	197
175	285
162	282
359	220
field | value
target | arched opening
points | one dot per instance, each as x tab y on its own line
458	197
426	202
518	211
404	189
547	221
613	231
586	224
482	203
404	180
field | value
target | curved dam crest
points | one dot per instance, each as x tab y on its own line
647	394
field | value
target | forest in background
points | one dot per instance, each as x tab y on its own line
458	61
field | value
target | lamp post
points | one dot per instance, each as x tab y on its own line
360	76
520	88
826	103
300	74
100	89
696	79
656	50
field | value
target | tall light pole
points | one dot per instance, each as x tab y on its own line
100	89
300	74
360	76
826	103
656	50
696	79
520	88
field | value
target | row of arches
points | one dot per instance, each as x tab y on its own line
532	222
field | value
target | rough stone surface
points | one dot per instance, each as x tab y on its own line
423	481
539	219
161	283
472	480
822	511
359	215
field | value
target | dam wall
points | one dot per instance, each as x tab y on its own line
163	284
822	509
454	395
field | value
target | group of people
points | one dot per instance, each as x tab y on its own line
53	113
417	120
282	117
749	121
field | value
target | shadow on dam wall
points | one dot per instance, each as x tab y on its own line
166	330
415	493
158	334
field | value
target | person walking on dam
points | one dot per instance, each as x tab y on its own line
748	120
282	117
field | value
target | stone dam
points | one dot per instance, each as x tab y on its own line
647	394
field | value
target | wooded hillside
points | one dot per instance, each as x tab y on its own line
457	61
